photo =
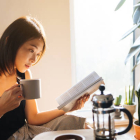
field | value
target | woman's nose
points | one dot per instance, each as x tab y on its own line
33	59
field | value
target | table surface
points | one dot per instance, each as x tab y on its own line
87	133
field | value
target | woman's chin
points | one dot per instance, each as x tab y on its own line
22	71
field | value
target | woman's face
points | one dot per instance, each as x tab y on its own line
28	54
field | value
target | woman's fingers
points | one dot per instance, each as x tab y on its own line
20	98
16	92
80	102
16	85
82	105
85	97
88	96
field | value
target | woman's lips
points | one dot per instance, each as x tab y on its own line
27	66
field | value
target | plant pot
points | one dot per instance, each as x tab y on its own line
136	129
131	109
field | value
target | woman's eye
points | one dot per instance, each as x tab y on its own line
38	54
31	50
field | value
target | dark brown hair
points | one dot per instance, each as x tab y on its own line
16	34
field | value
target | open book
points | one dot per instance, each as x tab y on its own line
88	85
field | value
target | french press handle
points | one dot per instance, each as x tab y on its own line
130	121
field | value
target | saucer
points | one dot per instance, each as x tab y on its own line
135	137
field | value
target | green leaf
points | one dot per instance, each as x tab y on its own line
132	52
120	4
137	5
129	101
134	67
137	61
136	93
139	94
120	97
132	95
138	58
134	49
125	102
137	42
136	15
116	101
130	31
138	87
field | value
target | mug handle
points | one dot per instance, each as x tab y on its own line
21	85
130	121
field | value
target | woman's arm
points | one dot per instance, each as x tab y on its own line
35	117
32	113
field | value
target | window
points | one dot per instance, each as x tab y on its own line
96	30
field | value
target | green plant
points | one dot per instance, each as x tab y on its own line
118	100
120	4
136	46
137	93
125	101
134	49
130	99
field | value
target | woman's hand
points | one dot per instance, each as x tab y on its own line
10	99
80	102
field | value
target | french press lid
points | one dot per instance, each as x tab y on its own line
102	100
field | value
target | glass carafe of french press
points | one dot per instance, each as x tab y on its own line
104	114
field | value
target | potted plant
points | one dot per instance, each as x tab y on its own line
128	103
137	122
132	52
118	103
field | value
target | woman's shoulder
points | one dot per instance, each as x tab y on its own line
28	74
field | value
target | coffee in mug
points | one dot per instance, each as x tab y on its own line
69	137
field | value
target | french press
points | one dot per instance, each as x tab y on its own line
104	114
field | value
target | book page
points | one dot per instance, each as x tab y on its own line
67	106
79	89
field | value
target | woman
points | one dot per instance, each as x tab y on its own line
22	46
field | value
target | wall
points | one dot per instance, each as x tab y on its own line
54	69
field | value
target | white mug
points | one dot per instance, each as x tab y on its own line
31	88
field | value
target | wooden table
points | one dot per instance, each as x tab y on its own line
87	133
127	136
